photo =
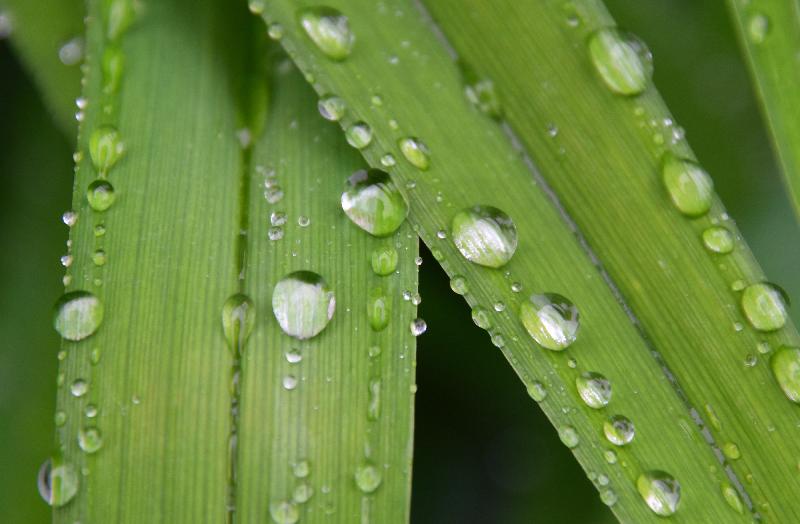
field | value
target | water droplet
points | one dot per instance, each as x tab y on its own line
121	14
388	160
100	195
329	29
78	314
332	108
619	430
379	309
737	285
374	406
610	456
6	25
418	261
359	135
516	287
758	28
594	389
499	306
99	257
238	321
303	221
717	239
284	512
785	364
497	339
256	6
608	497
60	418
105	148
90	411
415	151
302	493
275	233
69	218
764	306
303	304
441	234
485	236
66	260
58	483
731	450
569	437
275	31
113	65
688	185
552	320
731	496
384	260
374	203
481	93
71	51
537	391
90	440
660	491
418	326
301	469
459	285
289	382
368	478
623	62
79	388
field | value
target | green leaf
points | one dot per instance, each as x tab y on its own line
185	401
769	34
606	170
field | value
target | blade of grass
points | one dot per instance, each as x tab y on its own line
51	47
769	34
400	81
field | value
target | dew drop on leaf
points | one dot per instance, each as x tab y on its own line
78	314
329	29
415	151
594	389
689	186
368	478
485	235
660	491
764	306
551	320
619	430
58	482
303	304
373	202
622	61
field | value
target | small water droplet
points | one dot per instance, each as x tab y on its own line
66	260
329	29
374	203
660	491
100	195
764	306
374	406
275	31
689	186
78	315
6	25
90	440
275	233
302	493
105	148
481	93
113	65
332	107
79	388
303	221
717	239
622	60
758	28
499	306
418	261
90	411
610	456
459	285
594	389
289	382
238	321
619	430
379	309
284	512
418	326
608	497
537	391
293	356
388	160
485	236
516	287
71	51
359	135
368	478
69	218
384	260
57	482
303	304
731	496
569	437
60	418
301	469
785	364
731	450
551	319
415	151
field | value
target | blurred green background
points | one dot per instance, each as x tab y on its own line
484	452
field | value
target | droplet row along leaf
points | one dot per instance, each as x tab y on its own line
469	162
645	207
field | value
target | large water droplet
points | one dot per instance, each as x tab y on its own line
238	321
764	306
90	440
303	304
384	260
374	203
624	62
594	389
569	437
284	512
329	29
368	478
552	320
485	235
660	491
619	430
785	364
688	185
758	28
358	135
78	314
379	309
717	239
105	148
331	107
100	195
415	151
58	483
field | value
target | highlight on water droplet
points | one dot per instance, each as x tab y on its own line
785	364
358	135
303	304
105	148
238	321
415	151
764	306
384	260
689	186
594	389
329	29
619	430
78	314
332	108
284	512
569	437
551	320
660	491
90	440
718	239
622	60
368	478
100	195
57	482
485	235
373	202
